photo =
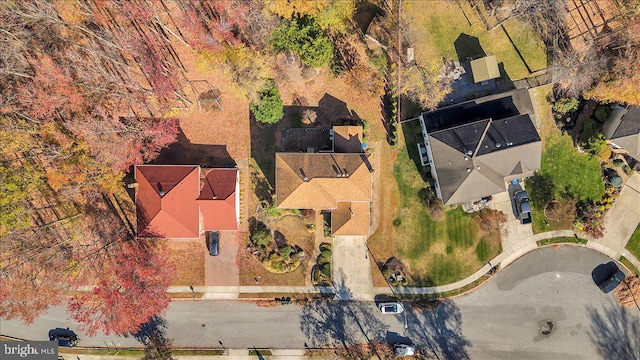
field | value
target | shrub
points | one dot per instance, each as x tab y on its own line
627	170
325	246
602	113
285	252
325	270
436	210
269	108
262	237
397	222
566	105
304	37
326	253
615	181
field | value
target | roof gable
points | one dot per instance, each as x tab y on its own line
188	193
320	180
506	148
173	214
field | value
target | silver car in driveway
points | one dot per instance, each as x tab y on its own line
391	308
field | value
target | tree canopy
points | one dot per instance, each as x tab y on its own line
268	109
304	37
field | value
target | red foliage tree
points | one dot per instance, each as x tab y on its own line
131	289
50	90
210	25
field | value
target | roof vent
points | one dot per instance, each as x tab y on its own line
478	167
498	145
468	170
469	152
306	178
466	158
161	193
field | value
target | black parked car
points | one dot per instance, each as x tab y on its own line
213	242
612	282
523	206
64	337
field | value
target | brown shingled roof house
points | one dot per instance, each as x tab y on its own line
475	147
336	181
182	201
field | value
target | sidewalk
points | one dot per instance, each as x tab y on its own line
231	354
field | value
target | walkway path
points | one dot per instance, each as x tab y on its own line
622	219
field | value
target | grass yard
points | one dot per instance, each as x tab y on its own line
634	243
436	252
187	272
562	240
436	26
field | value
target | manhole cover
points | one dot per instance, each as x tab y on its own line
546	327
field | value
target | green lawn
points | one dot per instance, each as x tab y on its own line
436	252
436	25
562	240
634	243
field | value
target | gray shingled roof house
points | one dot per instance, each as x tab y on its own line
475	147
623	130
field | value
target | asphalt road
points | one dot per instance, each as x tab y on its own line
501	320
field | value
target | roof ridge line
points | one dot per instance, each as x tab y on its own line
484	133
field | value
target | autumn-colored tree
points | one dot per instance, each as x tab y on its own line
50	91
423	85
213	25
620	82
131	288
289	9
248	69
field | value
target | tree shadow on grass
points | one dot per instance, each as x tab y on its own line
614	332
438	332
344	323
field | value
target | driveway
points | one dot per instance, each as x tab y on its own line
622	219
351	268
511	231
222	270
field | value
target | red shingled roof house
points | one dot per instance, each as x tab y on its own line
182	201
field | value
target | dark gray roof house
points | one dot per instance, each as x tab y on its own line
475	147
623	130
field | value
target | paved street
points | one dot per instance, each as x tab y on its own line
501	320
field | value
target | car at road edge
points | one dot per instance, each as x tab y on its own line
391	308
404	350
612	282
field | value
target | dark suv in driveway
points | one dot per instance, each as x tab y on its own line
213	243
522	206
